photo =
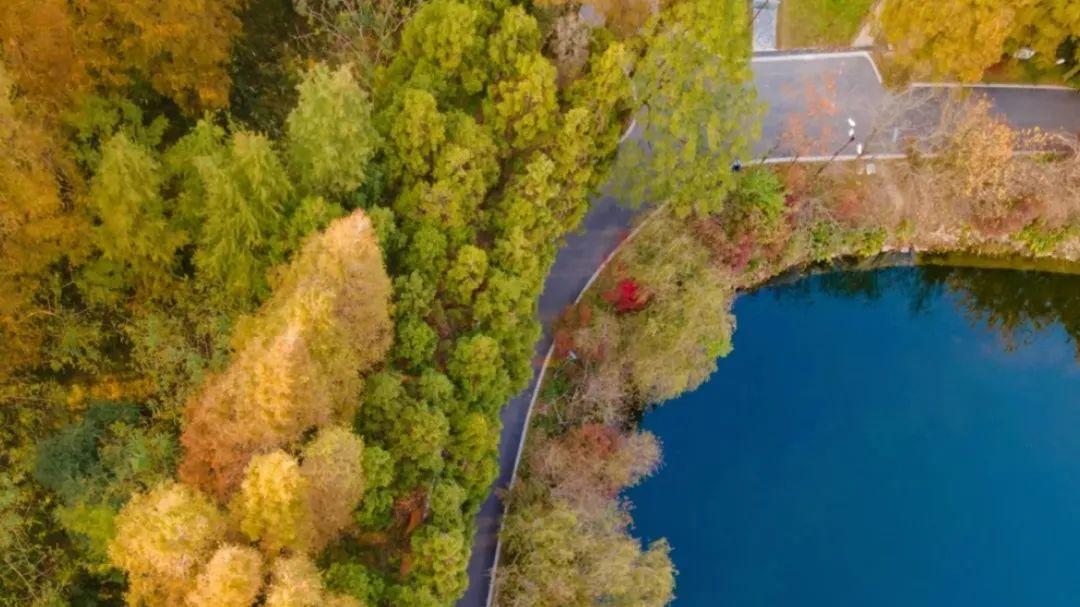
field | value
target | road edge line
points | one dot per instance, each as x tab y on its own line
539	382
990	85
771	57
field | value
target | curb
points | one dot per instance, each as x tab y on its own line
780	56
990	85
540	381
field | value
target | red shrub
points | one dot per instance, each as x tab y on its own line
626	296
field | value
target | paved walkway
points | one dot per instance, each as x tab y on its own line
809	98
765	25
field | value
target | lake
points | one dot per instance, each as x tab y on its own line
908	436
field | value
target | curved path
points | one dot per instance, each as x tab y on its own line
810	98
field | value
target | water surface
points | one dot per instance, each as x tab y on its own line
875	440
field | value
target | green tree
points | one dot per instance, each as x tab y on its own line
441	49
246	193
466	274
522	108
417	131
440	558
698	108
132	232
330	135
474	366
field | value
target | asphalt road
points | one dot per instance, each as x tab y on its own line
809	99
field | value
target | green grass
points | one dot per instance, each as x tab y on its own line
820	23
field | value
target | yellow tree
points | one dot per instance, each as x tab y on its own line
298	360
37	40
182	47
232	578
962	38
1043	25
334	469
37	228
272	504
295	582
162	537
957	39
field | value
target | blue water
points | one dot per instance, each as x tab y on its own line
873	451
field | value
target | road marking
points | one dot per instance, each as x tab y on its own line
629	131
838	158
539	383
826	56
988	85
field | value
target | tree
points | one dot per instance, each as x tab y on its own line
294	582
180	48
350	578
958	39
522	108
962	39
559	556
570	46
39	47
330	135
333	465
441	48
474	366
232	578
417	131
516	35
698	109
622	17
439	561
272	505
354	30
298	360
132	232
246	191
592	462
466	274
37	227
162	537
671	343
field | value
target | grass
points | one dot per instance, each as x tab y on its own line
820	23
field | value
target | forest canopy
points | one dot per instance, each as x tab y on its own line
269	270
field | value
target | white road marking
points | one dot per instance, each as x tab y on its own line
826	56
989	85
